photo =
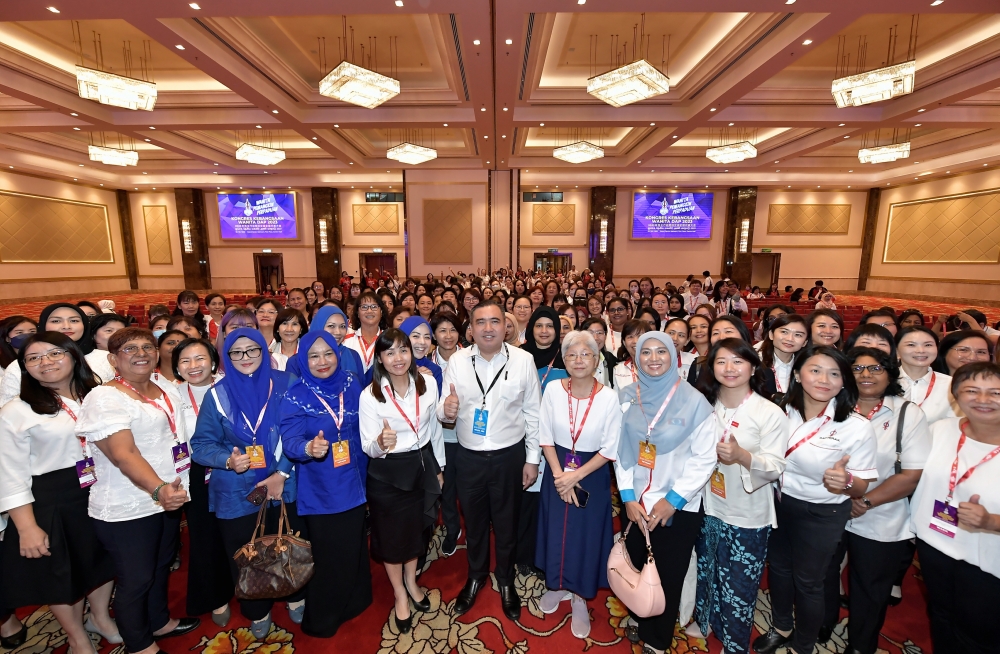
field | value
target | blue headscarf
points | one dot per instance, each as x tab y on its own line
687	409
407	328
347	358
333	385
247	393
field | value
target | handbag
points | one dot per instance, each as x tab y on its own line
273	566
640	591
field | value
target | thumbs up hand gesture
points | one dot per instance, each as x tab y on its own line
387	439
973	515
451	405
173	496
317	447
836	478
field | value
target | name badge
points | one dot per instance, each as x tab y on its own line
86	473
479	421
718	483
256	453
944	520
573	461
647	455
208	474
341	454
182	457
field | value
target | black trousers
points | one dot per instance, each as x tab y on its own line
209	582
237	532
489	488
961	603
527	529
672	547
142	550
341	586
449	494
799	555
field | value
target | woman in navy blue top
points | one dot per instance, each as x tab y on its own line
319	430
237	436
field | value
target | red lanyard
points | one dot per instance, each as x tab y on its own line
392	396
631	368
656	418
953	479
614	350
368	351
732	423
574	433
260	417
546	375
805	440
679	364
337	420
83	441
930	387
194	402
143	398
878	407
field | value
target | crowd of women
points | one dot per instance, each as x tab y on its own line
363	415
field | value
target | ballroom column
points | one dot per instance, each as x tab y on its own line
128	238
326	235
868	236
193	227
601	237
737	258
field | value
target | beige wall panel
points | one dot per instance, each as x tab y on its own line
157	234
549	218
43	229
808	218
448	231
957	229
376	218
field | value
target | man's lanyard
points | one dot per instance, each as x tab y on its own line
495	379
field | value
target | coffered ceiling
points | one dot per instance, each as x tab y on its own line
230	72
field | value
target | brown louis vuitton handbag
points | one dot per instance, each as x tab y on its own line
273	566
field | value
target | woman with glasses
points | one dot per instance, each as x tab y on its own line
368	322
955	513
237	436
290	325
928	389
960	348
618	314
580	422
51	554
138	440
267	312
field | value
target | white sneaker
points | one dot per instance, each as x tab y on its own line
694	630
580	624
551	599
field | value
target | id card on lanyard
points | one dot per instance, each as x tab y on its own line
647	450
86	472
573	460
481	417
717	482
256	452
180	452
944	518
341	449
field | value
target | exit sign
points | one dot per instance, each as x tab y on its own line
765	249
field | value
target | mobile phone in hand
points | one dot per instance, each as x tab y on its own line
257	495
582	497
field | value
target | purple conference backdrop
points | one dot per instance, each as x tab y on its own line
672	215
257	215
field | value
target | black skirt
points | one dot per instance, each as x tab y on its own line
78	563
403	496
209	583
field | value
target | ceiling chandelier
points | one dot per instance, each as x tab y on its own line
875	85
258	154
114	90
630	83
409	153
579	152
884	153
113	156
358	85
732	153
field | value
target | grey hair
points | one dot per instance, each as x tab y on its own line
580	338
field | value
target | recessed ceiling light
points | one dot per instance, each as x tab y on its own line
731	124
257	126
274	111
485	136
850	171
144	172
482	109
918	125
847	137
53	10
475	42
916	162
778	171
73	113
946	172
789	2
147	140
336	125
399	3
985	164
314	138
445	124
777	161
350	163
937	2
74	179
841	125
541	124
504	136
509	41
674	136
789	186
179	46
76	129
848	187
215	172
137	188
712	109
215	164
194	5
652	124
581	2
151	127
80	165
807	42
505	108
102	184
920	111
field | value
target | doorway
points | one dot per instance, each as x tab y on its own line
268	269
766	266
553	262
379	264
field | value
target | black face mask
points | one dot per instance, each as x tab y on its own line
18	341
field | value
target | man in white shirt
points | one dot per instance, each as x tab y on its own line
694	298
708	282
491	393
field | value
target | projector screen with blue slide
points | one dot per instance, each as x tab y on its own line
671	215
257	216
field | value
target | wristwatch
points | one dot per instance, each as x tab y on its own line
284	474
868	503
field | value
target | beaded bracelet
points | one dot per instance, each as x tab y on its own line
156	493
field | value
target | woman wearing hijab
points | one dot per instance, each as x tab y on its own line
237	436
665	456
61	317
421	340
319	431
331	319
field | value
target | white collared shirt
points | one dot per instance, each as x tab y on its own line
601	430
449	433
513	404
979	548
372	414
760	428
804	468
367	354
783	373
889	523
940	405
692	302
100	365
190	411
624	373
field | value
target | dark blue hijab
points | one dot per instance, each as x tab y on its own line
331	387
248	394
407	328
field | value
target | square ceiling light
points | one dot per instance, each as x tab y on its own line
409	153
884	153
579	152
358	85
258	154
875	85
632	82
732	153
115	90
113	156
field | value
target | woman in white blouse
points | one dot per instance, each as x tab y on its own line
751	433
665	456
142	458
625	370
289	327
401	434
446	328
786	338
830	459
928	389
580	423
102	327
51	553
368	321
679	331
955	514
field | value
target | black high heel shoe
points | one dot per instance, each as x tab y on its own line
16	639
423	606
405	624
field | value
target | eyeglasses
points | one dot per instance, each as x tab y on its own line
875	369
129	350
972	394
368	307
586	356
968	351
617	310
261	312
249	353
36	359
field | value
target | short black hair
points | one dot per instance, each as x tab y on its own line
735	322
188	342
979	369
886	360
868	329
846	399
709	385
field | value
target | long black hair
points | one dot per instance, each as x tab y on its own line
103	319
735	322
846	399
85	342
767	349
871	329
886	360
184	295
8	354
707	382
951	340
631	327
387	340
45	401
829	313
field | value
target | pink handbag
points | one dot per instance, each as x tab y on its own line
641	591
